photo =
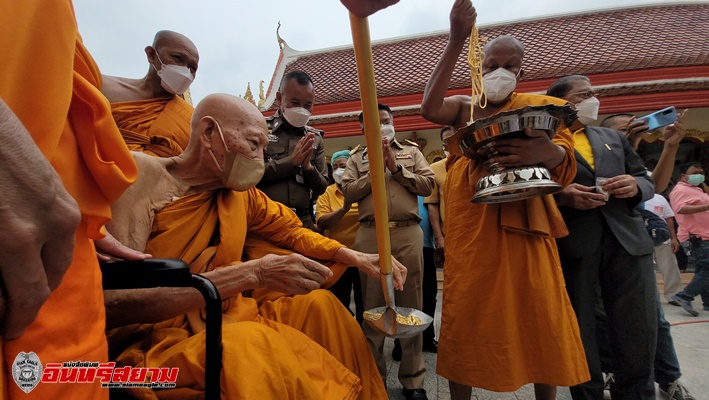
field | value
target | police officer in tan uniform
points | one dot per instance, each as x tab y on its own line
296	171
407	175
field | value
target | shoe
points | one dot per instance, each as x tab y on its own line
687	305
607	381
415	394
675	391
430	346
674	303
396	352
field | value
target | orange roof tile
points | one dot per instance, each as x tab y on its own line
590	43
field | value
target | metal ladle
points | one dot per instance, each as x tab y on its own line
391	320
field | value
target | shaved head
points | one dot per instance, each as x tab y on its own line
164	38
505	42
173	48
228	109
244	127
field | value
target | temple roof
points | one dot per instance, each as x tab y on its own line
592	42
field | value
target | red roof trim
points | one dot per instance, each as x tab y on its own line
617	78
609	105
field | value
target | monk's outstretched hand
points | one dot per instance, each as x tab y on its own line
291	274
369	264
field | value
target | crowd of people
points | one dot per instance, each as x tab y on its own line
554	290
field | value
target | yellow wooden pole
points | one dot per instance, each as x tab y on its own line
373	137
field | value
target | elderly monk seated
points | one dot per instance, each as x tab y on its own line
176	208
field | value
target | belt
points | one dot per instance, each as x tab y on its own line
392	224
301	212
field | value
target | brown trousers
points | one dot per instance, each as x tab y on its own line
407	247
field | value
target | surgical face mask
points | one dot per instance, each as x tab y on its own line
176	79
337	175
587	110
446	153
695	179
499	84
388	132
296	116
239	173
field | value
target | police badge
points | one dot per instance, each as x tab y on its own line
27	371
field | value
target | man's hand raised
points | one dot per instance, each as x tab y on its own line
365	8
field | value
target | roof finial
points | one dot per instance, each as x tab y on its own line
281	43
248	96
261	97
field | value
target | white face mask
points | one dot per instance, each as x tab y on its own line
499	84
296	116
587	110
388	132
337	175
446	153
176	79
239	173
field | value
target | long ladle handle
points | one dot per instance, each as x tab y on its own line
373	137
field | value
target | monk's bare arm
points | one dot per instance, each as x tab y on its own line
39	219
435	107
289	274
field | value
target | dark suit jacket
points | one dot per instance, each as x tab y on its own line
612	156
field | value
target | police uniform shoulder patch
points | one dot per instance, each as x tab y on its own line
315	131
409	142
27	371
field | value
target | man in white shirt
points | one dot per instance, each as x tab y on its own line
664	253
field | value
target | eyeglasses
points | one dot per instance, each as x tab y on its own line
585	95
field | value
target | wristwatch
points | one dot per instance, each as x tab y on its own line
398	169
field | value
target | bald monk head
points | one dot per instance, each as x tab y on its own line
229	135
502	67
173	60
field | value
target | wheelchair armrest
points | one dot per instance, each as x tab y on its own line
149	273
167	272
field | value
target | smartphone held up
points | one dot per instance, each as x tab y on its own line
660	118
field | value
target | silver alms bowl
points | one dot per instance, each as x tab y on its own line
502	185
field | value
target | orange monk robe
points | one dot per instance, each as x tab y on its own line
159	127
507	320
51	83
185	229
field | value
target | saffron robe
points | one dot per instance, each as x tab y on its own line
159	127
506	318
59	103
186	229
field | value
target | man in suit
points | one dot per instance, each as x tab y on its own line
608	246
